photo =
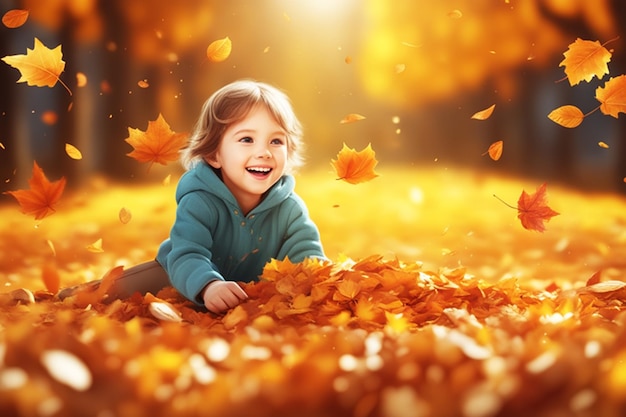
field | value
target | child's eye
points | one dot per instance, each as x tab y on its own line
277	141
247	139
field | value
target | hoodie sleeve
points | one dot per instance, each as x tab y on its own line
186	255
302	238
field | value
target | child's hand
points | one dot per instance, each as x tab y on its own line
220	296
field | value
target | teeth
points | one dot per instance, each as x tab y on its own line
259	169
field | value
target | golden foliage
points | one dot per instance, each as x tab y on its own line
584	60
219	50
355	166
40	66
567	116
15	18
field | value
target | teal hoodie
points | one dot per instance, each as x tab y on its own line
212	239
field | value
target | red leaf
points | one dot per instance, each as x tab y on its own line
533	209
42	196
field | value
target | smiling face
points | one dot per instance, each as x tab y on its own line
251	156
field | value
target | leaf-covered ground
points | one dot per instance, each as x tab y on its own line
437	303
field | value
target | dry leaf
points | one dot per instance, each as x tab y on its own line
613	96
351	118
484	114
15	18
355	167
157	144
164	311
567	116
50	277
584	60
95	247
40	200
124	215
143	84
73	151
533	209
603	145
40	66
495	150
219	50
67	368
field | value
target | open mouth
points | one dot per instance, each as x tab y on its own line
261	172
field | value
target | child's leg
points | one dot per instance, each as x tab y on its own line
146	277
143	278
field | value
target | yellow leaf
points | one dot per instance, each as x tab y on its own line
219	50
613	96
567	116
603	145
351	118
81	79
40	67
355	167
95	247
584	60
73	152
484	114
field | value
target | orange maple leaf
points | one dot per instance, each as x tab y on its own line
567	116
533	210
613	96
42	196
40	67
584	60
355	167
157	144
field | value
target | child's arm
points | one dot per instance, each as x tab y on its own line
187	254
302	238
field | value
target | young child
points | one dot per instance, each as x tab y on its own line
237	208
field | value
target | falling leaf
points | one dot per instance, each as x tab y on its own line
484	114
95	247
15	18
455	14
348	60
567	116
219	50
355	167
81	79
143	84
585	59
40	67
603	145
495	150
42	196
613	96
157	144
50	277
351	118
124	215
73	152
533	209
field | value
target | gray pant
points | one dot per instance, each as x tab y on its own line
143	278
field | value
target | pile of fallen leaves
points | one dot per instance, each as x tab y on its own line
369	338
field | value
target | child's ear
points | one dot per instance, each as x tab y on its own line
212	161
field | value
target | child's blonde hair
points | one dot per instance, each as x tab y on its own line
231	104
